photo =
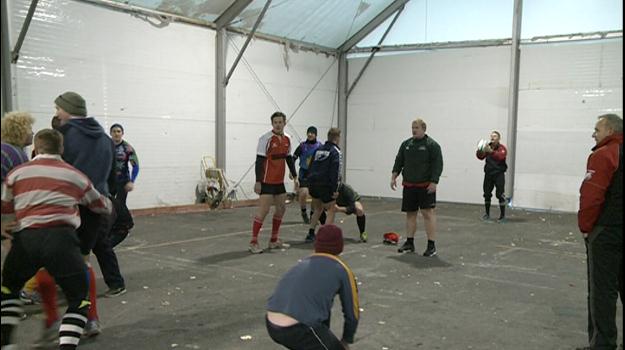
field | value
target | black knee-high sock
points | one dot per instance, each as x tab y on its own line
360	220
502	210
11	310
487	207
323	217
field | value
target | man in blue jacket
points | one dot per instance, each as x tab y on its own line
298	312
324	178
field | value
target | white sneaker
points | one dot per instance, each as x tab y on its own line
255	248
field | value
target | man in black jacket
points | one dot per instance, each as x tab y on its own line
324	178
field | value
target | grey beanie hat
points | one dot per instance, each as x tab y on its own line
72	103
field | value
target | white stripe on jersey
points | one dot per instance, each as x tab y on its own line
37	197
263	144
51	172
73	220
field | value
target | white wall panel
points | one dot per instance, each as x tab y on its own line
461	94
563	88
159	84
249	108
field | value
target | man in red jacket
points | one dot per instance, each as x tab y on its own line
494	156
600	219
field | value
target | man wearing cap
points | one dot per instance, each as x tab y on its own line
298	312
88	148
304	152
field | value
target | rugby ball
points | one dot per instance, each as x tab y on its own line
481	145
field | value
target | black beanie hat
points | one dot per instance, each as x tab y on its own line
312	129
117	126
329	240
72	103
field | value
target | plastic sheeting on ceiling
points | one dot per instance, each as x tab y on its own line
326	23
207	10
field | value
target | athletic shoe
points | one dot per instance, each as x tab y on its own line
49	338
406	247
502	220
30	298
278	245
363	237
305	218
486	218
309	238
255	248
115	292
92	329
431	251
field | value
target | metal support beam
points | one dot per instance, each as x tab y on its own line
295	44
369	27
538	40
231	13
342	109
247	41
7	93
374	50
20	39
432	46
220	98
513	96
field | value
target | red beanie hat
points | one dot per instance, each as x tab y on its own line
329	240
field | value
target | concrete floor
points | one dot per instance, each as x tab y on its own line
193	285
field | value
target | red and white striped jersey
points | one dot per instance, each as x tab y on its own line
46	192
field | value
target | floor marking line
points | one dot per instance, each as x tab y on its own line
199	239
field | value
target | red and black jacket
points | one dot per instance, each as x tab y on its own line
601	193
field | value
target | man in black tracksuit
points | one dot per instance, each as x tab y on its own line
324	178
420	162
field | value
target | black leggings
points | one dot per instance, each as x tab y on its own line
302	337
496	181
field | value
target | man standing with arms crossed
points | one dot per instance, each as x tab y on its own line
420	162
600	219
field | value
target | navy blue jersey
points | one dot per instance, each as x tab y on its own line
305	152
326	166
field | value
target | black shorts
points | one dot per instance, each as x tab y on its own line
273	189
414	199
321	192
54	248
